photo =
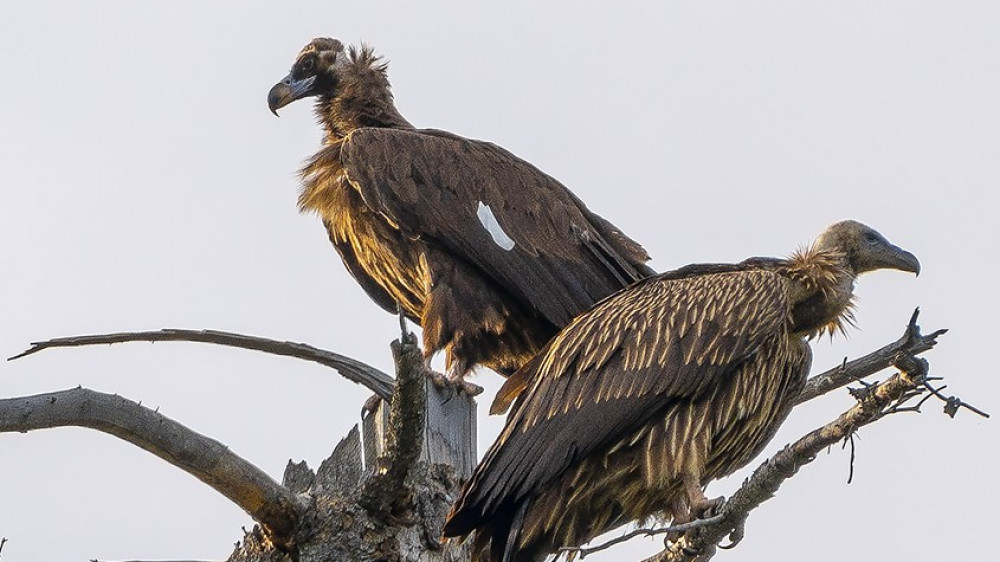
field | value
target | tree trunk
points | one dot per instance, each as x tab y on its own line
355	512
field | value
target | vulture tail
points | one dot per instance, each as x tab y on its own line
506	550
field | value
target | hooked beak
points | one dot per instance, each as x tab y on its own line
287	91
908	262
898	258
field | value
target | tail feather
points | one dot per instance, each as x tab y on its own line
510	544
499	540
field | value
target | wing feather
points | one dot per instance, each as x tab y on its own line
433	184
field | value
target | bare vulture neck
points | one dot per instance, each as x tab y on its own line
823	299
363	99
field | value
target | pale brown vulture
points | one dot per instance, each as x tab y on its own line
675	381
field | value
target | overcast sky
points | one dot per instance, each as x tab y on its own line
146	185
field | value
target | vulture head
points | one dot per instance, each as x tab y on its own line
865	249
350	84
314	73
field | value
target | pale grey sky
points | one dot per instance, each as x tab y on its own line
145	185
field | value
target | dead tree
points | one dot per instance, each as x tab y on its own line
384	491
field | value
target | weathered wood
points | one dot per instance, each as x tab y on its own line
386	500
449	431
343	470
373	428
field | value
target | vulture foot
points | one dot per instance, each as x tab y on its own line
699	506
706	508
454	385
693	504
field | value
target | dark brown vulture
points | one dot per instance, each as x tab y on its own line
487	253
636	405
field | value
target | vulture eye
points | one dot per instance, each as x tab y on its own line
871	237
307	64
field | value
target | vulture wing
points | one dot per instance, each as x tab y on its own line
519	226
611	370
517	382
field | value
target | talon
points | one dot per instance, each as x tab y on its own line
470	388
708	508
735	537
438	379
371	405
402	321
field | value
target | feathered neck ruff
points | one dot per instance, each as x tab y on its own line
361	96
824	303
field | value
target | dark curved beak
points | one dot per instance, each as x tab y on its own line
902	260
289	90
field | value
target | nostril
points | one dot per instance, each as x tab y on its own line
287	81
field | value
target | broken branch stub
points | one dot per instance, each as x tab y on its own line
385	492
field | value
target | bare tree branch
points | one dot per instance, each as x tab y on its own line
912	342
874	402
274	507
351	369
585	552
385	494
951	403
3	541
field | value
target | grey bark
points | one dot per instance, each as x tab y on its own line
351	369
912	342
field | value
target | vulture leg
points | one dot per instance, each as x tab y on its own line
692	503
455	376
699	506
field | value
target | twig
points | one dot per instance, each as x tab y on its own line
873	404
912	342
951	403
850	472
385	493
584	552
274	507
351	369
3	541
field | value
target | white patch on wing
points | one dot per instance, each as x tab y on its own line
489	222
